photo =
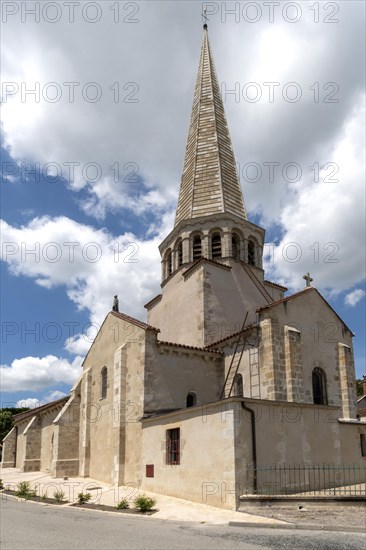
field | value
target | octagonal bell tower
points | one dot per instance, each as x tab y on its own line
213	255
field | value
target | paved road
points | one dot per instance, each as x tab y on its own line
29	526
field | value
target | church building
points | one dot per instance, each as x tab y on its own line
225	376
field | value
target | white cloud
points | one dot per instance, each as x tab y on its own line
33	403
321	224
54	395
92	267
78	344
30	402
39	373
354	297
152	133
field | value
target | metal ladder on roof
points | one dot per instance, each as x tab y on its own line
235	362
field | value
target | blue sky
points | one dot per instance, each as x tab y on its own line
154	60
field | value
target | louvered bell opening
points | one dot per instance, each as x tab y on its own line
180	254
216	246
197	248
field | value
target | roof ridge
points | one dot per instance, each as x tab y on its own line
134	321
247	327
275	302
187	346
41	408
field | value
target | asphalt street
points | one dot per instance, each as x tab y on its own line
31	526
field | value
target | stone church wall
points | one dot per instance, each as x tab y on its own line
228	296
171	372
216	458
292	434
179	314
109	425
313	341
20	455
9	449
206	459
47	436
65	442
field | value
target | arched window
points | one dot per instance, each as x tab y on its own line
216	245
191	399
103	383
251	253
180	254
238	386
235	245
197	248
170	263
319	387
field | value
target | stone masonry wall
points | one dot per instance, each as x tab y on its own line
33	435
293	362
9	449
346	372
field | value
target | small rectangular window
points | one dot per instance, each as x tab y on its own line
173	446
149	470
363	444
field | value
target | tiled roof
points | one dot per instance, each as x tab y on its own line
156	299
296	295
219	342
43	408
286	298
275	284
133	321
185	346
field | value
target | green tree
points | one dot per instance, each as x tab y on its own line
359	388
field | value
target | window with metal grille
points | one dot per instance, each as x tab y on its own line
235	245
104	383
173	446
180	254
216	245
251	253
197	248
319	387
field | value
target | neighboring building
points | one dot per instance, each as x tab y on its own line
185	403
361	402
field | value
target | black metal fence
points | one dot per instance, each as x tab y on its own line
317	480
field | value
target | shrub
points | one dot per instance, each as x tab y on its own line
123	504
24	490
83	498
59	496
1	484
144	503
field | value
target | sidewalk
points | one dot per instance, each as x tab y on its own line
169	508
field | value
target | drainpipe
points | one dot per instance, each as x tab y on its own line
254	444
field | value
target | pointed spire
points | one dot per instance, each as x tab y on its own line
210	182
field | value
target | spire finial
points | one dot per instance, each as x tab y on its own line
205	18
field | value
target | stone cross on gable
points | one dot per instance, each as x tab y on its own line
308	279
204	16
